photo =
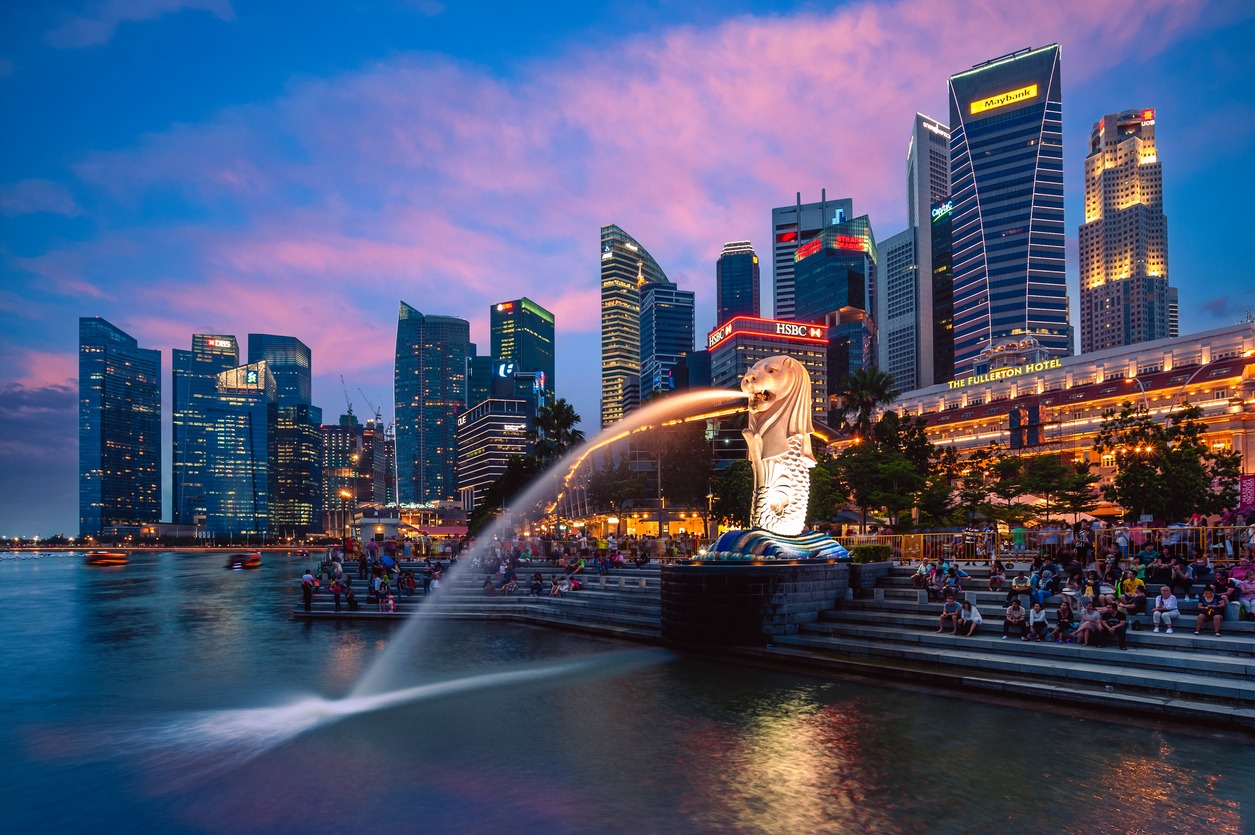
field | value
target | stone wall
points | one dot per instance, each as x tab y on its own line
745	605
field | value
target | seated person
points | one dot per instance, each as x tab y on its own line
1064	623
1091	624
997	575
1245	592
1116	624
950	611
1166	610
537	585
1037	625
1210	608
919	579
954	580
1182	577
969	620
1016	618
555	586
1020	585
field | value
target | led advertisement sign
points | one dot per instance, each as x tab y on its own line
1003	99
767	327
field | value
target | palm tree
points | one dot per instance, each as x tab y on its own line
865	391
556	422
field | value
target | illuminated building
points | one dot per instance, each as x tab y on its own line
666	328
739	343
488	436
194	378
939	351
736	282
626	268
240	432
341	455
791	226
899	345
523	333
1124	240
430	387
1056	405
1006	169
119	428
296	503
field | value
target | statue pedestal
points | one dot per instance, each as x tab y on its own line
717	604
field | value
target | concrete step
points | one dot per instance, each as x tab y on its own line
1144	655
1039	668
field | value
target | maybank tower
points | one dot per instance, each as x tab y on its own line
1006	164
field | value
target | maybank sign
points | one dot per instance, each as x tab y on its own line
1006	373
1003	99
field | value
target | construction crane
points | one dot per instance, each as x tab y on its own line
373	408
347	402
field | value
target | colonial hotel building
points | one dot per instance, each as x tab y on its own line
1021	398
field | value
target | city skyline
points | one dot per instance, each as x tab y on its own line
275	198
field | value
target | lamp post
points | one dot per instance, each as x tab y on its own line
710	513
345	495
1145	400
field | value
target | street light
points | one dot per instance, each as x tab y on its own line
1145	400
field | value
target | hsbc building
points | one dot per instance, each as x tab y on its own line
740	342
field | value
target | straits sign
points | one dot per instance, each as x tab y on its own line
1006	373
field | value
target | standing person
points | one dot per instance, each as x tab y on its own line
362	564
1166	610
1015	619
337	589
307	590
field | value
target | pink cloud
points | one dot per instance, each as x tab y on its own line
43	369
99	25
33	196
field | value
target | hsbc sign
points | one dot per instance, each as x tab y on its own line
766	327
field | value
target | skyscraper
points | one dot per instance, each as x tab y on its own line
523	333
430	387
790	226
626	267
736	282
119	428
941	348
899	323
666	334
241	423
295	506
1125	296
1006	163
927	185
194	379
836	269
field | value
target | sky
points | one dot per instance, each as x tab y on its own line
266	166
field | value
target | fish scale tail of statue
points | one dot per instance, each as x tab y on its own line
778	439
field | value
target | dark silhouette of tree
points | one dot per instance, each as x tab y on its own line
862	393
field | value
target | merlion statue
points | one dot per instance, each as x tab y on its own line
779	439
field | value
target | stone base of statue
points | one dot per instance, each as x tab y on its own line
759	545
727	603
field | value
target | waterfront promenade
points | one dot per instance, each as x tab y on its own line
890	636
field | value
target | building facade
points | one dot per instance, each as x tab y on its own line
290	361
1124	239
836	270
430	387
737	344
341	457
194	387
790	227
927	185
241	423
1056	405
666	334
737	282
490	434
523	333
1006	168
119	428
939	350
626	268
899	343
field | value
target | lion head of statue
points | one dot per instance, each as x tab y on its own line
779	391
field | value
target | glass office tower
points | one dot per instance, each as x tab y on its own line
523	333
289	360
666	334
194	378
240	422
791	226
942	307
430	387
736	282
626	267
835	270
1006	163
119	428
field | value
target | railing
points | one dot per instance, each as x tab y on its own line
1221	544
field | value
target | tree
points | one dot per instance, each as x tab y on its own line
1006	482
1078	493
733	490
520	472
1046	476
1166	470
556	432
863	392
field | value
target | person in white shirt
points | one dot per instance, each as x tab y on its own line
969	620
1165	611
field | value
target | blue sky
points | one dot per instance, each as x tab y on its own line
181	166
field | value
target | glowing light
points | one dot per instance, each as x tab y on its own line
1004	99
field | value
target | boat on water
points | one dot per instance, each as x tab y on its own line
248	559
106	558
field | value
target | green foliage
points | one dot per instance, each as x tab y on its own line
825	490
870	553
519	473
556	432
863	392
613	484
733	490
1166	470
